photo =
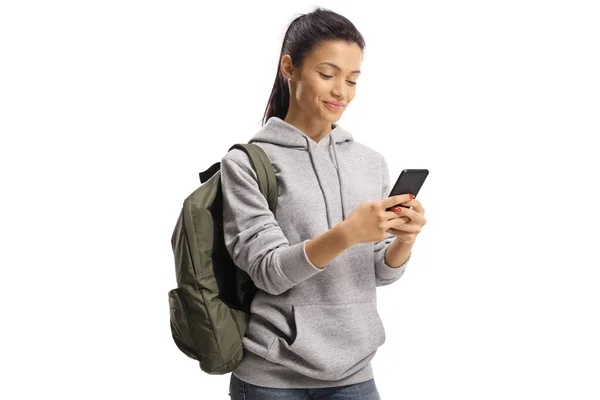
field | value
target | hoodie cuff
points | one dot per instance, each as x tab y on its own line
295	265
384	271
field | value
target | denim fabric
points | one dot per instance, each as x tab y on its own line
241	390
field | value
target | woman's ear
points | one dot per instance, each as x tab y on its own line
287	69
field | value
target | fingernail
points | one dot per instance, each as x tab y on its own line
412	196
397	209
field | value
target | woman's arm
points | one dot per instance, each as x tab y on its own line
324	248
253	236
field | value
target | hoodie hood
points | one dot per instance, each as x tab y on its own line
281	133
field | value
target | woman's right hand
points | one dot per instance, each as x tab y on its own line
370	221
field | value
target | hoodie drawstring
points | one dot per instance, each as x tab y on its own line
337	168
320	183
331	144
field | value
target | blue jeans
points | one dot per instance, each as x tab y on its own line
241	390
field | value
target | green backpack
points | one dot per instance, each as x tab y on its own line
210	307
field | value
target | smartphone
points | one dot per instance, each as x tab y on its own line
409	181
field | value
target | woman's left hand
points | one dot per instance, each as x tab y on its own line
414	219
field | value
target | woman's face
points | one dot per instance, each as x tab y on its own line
329	74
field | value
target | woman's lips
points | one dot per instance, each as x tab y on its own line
333	106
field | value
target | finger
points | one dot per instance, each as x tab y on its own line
416	205
392	215
401	217
406	212
407	228
396	222
393	200
413	215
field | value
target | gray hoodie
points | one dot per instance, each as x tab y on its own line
310	327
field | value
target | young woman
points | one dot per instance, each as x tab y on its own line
314	327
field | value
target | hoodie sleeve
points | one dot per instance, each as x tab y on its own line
384	274
253	237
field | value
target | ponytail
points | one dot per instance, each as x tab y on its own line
279	100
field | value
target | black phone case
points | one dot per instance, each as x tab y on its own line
409	181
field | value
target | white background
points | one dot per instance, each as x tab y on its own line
109	109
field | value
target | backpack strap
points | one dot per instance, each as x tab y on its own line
264	171
206	175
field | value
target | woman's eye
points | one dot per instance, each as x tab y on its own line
329	76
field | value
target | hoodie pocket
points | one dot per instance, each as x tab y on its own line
333	340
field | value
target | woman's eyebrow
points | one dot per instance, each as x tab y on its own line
338	68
